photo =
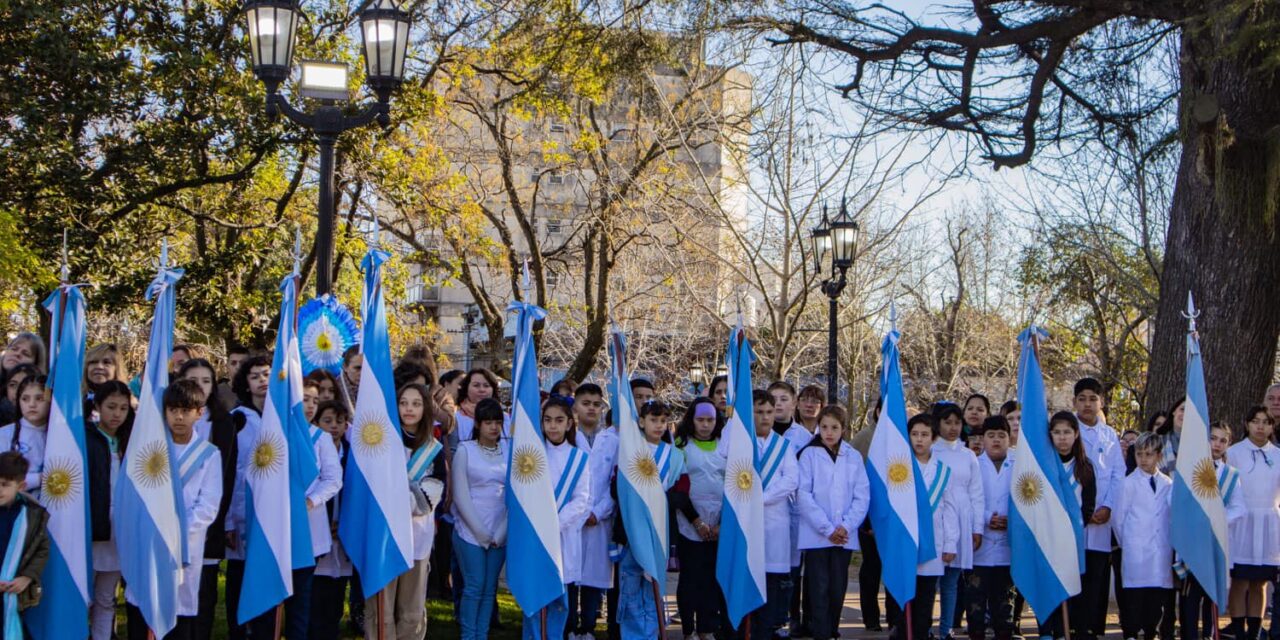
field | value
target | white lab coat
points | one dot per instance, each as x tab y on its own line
798	436
31	445
779	495
706	488
1141	522
423	525
832	494
1255	538
201	494
970	502
335	563
235	520
1102	446
575	511
994	551
322	489
1235	503
946	520
597	569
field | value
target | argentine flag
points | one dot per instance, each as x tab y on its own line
740	558
642	491
1201	535
1046	534
149	511
537	577
68	573
375	518
281	465
900	512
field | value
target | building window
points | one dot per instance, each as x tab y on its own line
553	278
557	127
555	177
553	226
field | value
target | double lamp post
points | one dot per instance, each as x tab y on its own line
836	242
272	27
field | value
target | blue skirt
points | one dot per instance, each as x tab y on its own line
1254	572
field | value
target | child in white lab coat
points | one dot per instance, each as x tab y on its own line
990	595
779	477
1255	555
697	499
1141	524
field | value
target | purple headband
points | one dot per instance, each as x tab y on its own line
704	410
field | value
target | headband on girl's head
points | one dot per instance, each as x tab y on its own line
704	410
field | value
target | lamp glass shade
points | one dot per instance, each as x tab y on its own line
696	374
272	25
821	247
385	27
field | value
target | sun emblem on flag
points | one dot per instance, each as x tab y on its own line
1204	480
642	469
739	478
899	473
322	343
1028	489
151	467
61	482
528	463
371	436
268	455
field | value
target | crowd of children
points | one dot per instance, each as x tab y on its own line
816	500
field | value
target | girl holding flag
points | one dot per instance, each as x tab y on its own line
951	449
1064	435
1255	556
697	499
571	479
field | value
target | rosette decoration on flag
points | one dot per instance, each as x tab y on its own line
327	330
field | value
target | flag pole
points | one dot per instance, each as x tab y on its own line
382	630
542	619
906	614
279	619
657	602
1213	611
746	627
1066	622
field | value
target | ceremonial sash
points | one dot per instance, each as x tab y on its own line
573	468
193	458
771	458
421	460
1228	478
316	434
939	486
662	456
9	571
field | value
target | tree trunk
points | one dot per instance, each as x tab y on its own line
1222	242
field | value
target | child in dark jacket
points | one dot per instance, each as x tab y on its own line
24	538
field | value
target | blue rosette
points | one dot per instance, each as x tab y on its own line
326	329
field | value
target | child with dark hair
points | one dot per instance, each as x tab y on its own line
1141	526
642	390
1064	435
200	479
990	594
571	479
104	450
784	406
333	569
478	476
779	478
250	384
24	537
1102	446
951	449
1255	556
27	435
976	409
352	364
697	499
601	446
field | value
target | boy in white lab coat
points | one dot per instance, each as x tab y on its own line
991	586
1141	523
779	477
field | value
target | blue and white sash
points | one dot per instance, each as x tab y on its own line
771	458
193	458
421	460
938	487
1228	479
573	468
662	456
316	434
9	571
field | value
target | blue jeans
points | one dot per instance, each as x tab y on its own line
557	616
584	608
637	610
480	569
949	589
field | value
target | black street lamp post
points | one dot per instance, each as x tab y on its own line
838	239
272	26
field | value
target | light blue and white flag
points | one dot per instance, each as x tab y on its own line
148	505
375	519
642	489
740	567
1200	537
1046	531
900	512
68	573
281	466
536	577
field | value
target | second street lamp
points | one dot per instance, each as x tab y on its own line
838	238
272	27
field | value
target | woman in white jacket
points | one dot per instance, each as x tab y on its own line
571	482
834	495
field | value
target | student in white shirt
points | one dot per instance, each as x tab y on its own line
1194	601
779	478
333	569
570	472
104	450
834	495
200	475
27	435
1102	447
922	430
478	480
991	587
596	573
1141	525
250	385
953	451
697	500
799	435
1255	538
